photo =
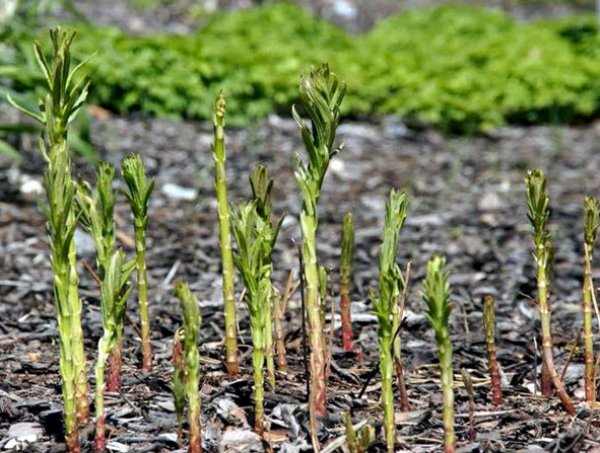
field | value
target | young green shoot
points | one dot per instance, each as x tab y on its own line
255	239
436	295
591	223
66	93
96	210
489	324
321	95
220	156
261	185
538	213
190	365
113	298
358	440
345	280
390	284
138	193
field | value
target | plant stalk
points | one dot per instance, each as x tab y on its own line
138	194
191	362
489	324
538	213
278	315
591	223
219	155
436	294
345	278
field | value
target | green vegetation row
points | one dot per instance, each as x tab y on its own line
457	68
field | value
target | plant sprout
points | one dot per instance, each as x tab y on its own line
390	283
436	295
261	186
345	277
66	93
186	375
220	156
489	325
114	293
358	440
255	239
138	193
538	213
320	95
591	223
96	217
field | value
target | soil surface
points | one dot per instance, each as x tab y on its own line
467	202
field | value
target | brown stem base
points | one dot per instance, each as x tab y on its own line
555	379
404	407
100	435
347	335
146	355
73	443
195	439
113	383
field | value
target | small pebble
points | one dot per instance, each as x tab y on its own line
21	434
177	192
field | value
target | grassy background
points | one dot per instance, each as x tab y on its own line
461	69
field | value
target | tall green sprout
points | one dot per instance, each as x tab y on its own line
436	295
261	185
255	239
591	223
390	284
114	293
320	97
187	376
538	213
138	193
96	209
220	156
66	94
345	277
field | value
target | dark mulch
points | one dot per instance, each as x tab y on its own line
466	201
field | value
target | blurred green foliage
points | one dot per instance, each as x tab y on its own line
461	69
21	21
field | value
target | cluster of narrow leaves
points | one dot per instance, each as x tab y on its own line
138	194
255	234
390	285
436	295
186	360
321	95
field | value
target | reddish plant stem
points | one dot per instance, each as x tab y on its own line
489	324
100	435
543	258
73	443
468	382
345	278
278	313
546	379
113	383
404	406
347	335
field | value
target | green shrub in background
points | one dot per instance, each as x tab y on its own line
461	69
